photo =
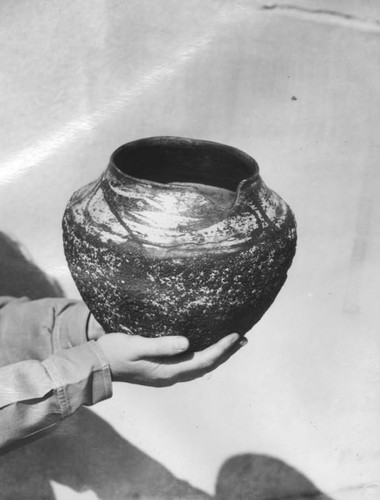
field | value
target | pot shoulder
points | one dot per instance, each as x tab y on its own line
177	218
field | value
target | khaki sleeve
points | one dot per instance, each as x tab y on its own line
35	396
36	329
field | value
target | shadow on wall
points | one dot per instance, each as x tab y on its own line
86	453
259	477
20	277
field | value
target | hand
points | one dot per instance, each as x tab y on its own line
163	361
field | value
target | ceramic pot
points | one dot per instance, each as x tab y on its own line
179	237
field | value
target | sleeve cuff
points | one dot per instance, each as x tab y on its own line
80	376
105	369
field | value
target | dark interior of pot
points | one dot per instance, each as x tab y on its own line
172	159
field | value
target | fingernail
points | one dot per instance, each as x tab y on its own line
243	342
182	344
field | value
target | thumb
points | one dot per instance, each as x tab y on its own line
94	330
160	346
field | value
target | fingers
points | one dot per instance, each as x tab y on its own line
160	346
203	362
209	357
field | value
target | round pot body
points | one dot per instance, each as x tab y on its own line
179	237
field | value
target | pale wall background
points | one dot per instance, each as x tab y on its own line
79	78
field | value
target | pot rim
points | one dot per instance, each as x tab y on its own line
185	142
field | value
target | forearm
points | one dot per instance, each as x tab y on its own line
35	396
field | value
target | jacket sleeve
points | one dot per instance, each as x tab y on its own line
38	328
36	393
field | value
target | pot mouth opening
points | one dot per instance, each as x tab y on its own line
172	160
